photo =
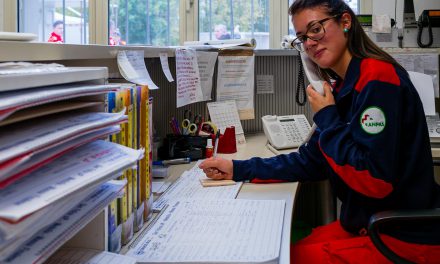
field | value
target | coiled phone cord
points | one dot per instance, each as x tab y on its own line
300	86
420	32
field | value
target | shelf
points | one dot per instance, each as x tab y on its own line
33	51
11	82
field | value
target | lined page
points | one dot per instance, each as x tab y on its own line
230	231
188	187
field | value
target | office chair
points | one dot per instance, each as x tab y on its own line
396	216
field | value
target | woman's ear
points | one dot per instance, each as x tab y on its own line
346	21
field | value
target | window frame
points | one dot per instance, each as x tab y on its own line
188	24
10	16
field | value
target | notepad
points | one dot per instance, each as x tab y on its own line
211	183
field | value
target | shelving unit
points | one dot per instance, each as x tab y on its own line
94	231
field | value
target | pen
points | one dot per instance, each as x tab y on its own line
172	161
216	143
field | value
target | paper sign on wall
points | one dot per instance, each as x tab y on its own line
188	78
132	67
206	62
236	80
165	66
265	84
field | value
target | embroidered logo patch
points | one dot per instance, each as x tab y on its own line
373	120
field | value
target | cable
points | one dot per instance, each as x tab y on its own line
300	86
420	32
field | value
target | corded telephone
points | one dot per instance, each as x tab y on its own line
312	73
286	131
430	19
433	128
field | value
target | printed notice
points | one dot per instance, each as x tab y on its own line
132	67
188	78
165	66
236	82
426	63
265	84
206	61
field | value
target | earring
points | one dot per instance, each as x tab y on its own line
345	30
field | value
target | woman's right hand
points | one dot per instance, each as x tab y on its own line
217	168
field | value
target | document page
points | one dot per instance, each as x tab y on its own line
188	186
219	231
132	67
235	81
37	134
83	167
8	176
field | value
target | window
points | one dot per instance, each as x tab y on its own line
234	19
151	22
353	4
63	21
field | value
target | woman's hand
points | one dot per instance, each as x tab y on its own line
319	101
217	168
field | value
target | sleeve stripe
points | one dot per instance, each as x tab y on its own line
376	70
360	181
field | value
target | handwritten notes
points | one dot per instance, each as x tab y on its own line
188	186
188	77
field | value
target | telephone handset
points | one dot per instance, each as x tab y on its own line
430	19
286	131
312	73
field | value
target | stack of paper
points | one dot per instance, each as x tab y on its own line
214	231
11	102
57	187
46	241
19	142
8	176
55	173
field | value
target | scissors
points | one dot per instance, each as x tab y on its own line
191	127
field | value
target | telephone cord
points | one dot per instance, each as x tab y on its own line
300	86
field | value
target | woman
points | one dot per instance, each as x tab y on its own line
372	142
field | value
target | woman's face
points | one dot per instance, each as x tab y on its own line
327	51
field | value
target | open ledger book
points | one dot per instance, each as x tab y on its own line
214	231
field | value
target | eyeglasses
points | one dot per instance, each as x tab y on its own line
315	31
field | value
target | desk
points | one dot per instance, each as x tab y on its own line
256	147
435	152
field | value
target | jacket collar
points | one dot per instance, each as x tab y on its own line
351	77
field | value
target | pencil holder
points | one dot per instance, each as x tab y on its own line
183	146
227	143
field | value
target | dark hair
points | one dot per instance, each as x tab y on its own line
58	22
359	44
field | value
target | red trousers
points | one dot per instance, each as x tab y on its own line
332	244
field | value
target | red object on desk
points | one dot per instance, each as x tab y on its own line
227	143
260	181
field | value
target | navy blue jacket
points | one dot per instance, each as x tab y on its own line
373	146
